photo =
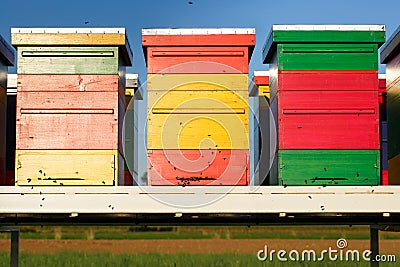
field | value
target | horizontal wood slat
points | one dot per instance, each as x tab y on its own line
198	167
68	83
177	60
197	82
68	60
66	167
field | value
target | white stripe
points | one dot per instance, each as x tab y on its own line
261	73
381	76
11	81
198	31
328	27
69	30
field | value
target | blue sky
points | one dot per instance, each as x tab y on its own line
135	15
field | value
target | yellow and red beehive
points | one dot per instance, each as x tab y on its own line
70	105
198	105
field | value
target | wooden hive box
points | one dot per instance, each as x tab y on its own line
198	50
71	100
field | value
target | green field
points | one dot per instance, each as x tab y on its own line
237	232
160	260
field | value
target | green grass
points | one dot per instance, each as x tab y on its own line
68	259
236	232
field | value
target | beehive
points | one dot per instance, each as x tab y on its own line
324	97
198	102
391	57
70	105
6	59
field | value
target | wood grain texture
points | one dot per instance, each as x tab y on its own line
328	120
210	101
68	83
198	82
198	167
177	60
198	119
199	40
66	167
82	39
198	131
329	167
328	57
69	120
68	60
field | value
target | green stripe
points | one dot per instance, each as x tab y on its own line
329	167
327	57
329	36
68	60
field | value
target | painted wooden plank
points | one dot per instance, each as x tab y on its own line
198	131
66	167
7	53
68	60
192	119
3	124
67	83
191	82
321	34
329	167
198	167
261	80
221	32
328	120
199	59
328	57
210	101
69	120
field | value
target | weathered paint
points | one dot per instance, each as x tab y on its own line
68	60
69	120
327	56
74	37
198	119
209	101
198	167
197	82
206	59
328	120
352	34
66	167
67	83
329	167
198	130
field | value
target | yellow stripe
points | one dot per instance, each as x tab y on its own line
67	39
66	167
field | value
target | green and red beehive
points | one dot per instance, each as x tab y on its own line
324	97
